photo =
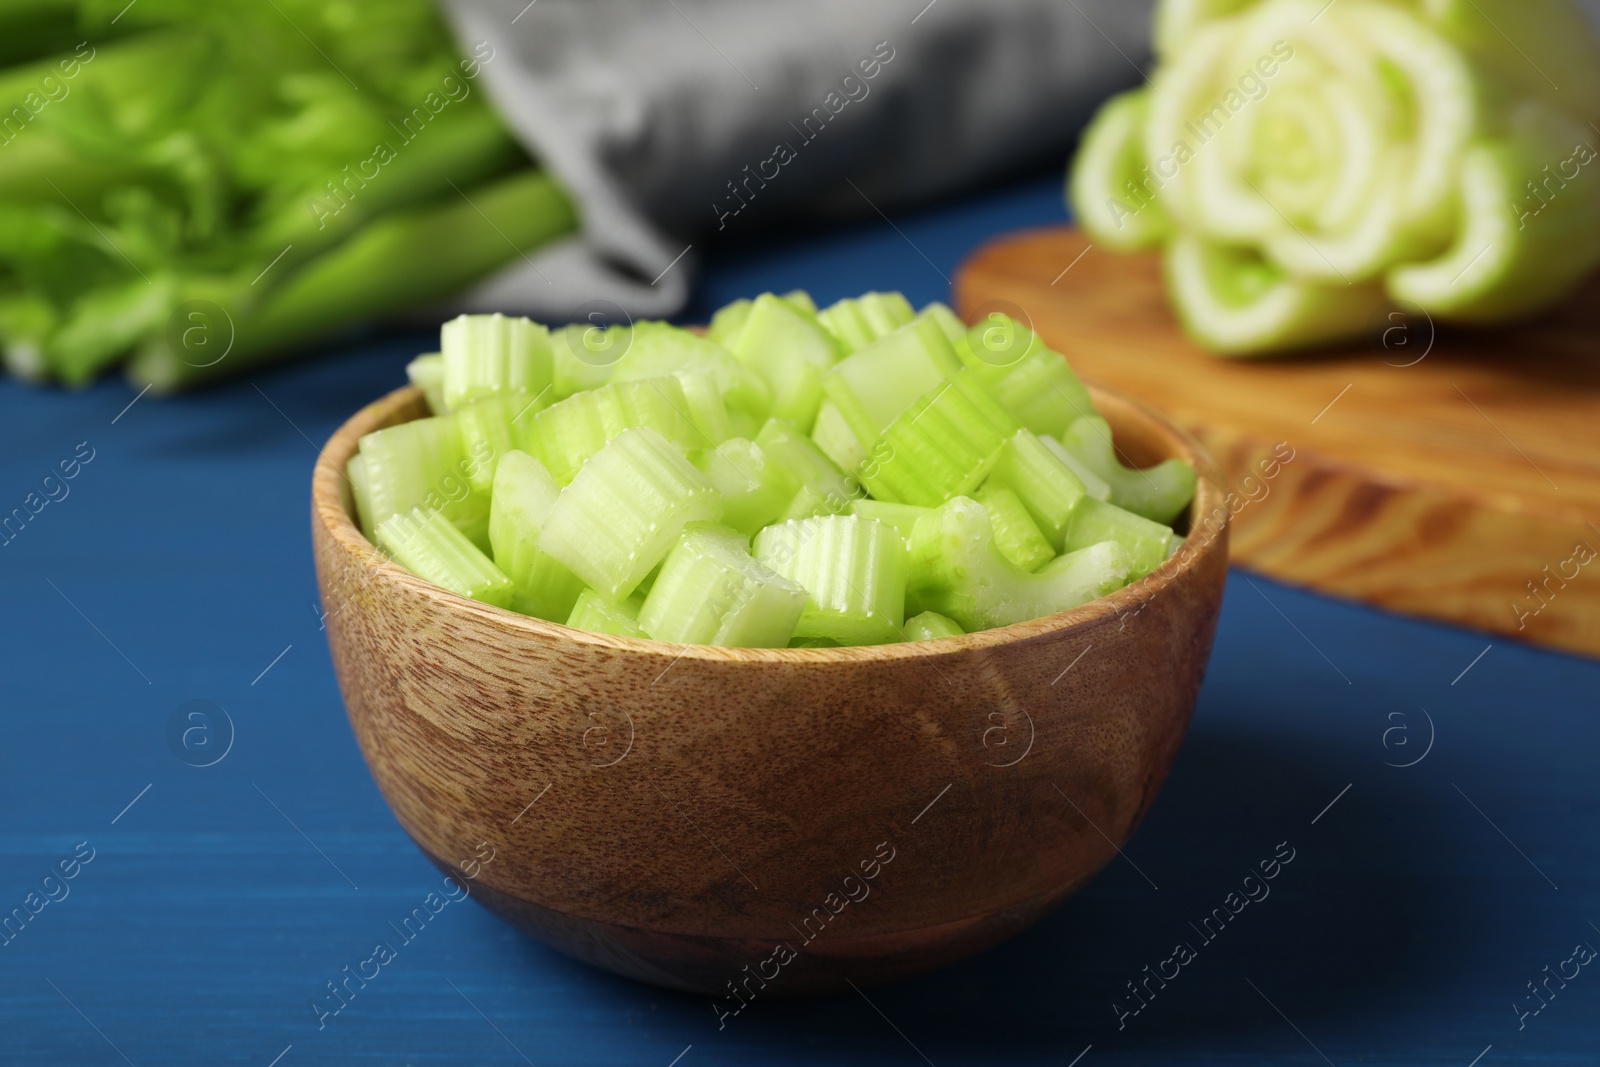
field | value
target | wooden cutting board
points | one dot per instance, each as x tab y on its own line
1452	475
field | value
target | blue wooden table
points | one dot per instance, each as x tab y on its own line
197	850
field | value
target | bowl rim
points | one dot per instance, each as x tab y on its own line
337	525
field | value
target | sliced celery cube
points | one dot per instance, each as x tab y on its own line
1159	493
427	373
711	591
853	571
488	354
756	490
596	614
625	509
930	626
429	546
957	570
942	446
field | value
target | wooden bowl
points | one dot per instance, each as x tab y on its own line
753	823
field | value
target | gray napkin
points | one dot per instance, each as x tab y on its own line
672	120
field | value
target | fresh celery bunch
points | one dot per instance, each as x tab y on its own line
1304	166
183	178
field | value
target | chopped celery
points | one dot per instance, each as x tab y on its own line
824	488
1046	486
711	591
930	626
1159	493
1026	378
943	445
791	351
423	463
858	322
853	571
1093	484
756	490
493	426
427	373
1146	543
665	502
957	570
489	354
429	546
571	430
355	472
596	614
584	355
875	384
623	511
656	349
1015	533
902	517
524	493
728	322
833	435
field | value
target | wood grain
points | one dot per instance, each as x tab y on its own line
676	813
1449	475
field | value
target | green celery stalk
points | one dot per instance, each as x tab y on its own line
398	262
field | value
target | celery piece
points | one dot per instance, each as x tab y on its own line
428	545
1046	486
755	489
902	517
485	355
1025	377
355	472
833	435
596	614
801	300
711	591
957	570
705	409
524	493
858	322
571	430
1015	533
727	323
1159	493
791	351
1112	193
584	355
493	426
1146	543
427	373
824	488
875	384
942	446
948	321
853	571
623	511
1093	484
930	626
656	349
423	463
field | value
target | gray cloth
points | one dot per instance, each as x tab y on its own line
671	120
